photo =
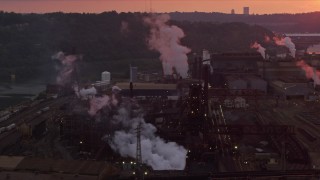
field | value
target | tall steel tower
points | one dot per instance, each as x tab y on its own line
138	168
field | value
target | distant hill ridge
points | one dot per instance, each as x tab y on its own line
27	41
302	22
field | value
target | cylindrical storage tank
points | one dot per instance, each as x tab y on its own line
105	76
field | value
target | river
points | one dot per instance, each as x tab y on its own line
15	93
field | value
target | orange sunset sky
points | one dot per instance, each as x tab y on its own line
97	6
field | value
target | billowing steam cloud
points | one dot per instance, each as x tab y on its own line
157	153
86	93
286	42
166	40
97	103
314	49
311	73
260	49
266	38
67	68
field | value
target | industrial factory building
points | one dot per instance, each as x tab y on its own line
235	82
290	88
273	70
246	82
235	62
149	90
256	83
21	168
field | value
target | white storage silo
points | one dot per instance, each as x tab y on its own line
105	76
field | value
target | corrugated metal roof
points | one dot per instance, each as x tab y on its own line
10	162
279	84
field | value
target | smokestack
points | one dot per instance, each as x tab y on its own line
131	89
133	77
206	69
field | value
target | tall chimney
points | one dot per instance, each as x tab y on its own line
133	73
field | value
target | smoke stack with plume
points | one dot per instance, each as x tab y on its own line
260	49
67	68
288	43
311	73
157	153
166	40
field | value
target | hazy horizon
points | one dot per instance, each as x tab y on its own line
160	6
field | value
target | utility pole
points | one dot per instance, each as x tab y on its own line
138	168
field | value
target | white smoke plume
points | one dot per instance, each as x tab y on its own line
76	90
288	43
311	72
267	38
87	93
115	89
97	103
124	27
313	49
260	49
166	39
67	68
157	153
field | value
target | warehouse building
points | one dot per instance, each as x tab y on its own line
288	88
144	90
246	82
235	82
21	168
256	83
